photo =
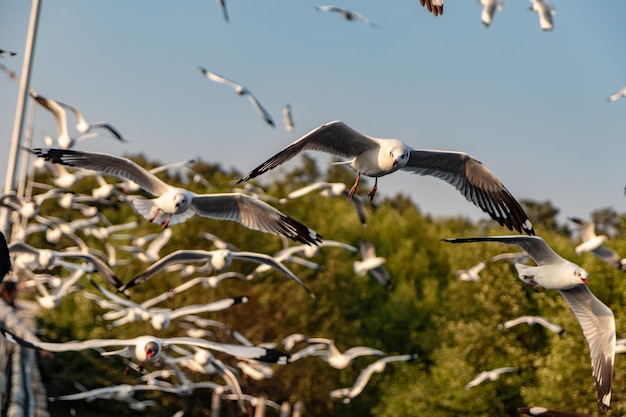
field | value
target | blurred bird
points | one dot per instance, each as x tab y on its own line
471	274
372	264
4	53
621	93
594	243
242	91
434	6
288	118
489	9
347	14
546	12
542	411
532	320
222	4
375	157
489	376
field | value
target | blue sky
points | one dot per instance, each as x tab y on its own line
530	105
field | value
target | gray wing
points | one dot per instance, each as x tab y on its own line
264	113
335	138
253	214
102	267
219	79
598	325
177	257
367	249
609	256
116	166
534	246
56	109
472	179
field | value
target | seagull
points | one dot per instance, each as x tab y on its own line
4	53
595	318
222	4
434	6
372	264
123	392
288	118
377	367
471	274
545	11
347	14
489	376
219	259
242	91
489	9
374	157
152	253
330	189
174	205
341	360
531	320
594	243
148	348
83	126
621	93
542	411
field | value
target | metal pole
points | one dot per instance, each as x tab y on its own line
18	124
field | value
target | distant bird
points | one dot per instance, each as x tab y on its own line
372	264
330	189
532	320
512	257
471	274
489	376
9	73
595	318
288	118
242	91
222	4
174	205
84	126
348	394
219	259
347	14
621	93
594	243
152	253
434	6
542	411
4	53
374	157
123	392
338	359
546	12
489	9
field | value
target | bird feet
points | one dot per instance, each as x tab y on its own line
372	192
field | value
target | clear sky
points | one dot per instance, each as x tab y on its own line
531	105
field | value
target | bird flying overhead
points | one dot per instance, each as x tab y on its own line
349	15
434	6
374	157
174	205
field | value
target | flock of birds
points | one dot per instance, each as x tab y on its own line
368	156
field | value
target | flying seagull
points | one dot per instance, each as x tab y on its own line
471	274
621	93
489	376
242	91
374	157
434	6
595	318
594	243
4	53
531	320
546	12
347	14
542	411
489	9
173	205
288	118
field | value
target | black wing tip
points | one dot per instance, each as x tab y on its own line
297	231
274	356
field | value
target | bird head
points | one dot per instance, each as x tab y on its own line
152	350
582	275
399	155
181	202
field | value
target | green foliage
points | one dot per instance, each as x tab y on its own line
452	325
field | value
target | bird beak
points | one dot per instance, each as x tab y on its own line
585	281
395	162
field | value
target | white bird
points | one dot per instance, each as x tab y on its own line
471	274
377	367
242	91
83	126
595	318
152	253
374	157
594	243
532	320
123	392
174	205
330	189
489	9
288	118
219	259
147	348
48	300
542	411
434	6
349	15
338	359
489	376
372	264
4	53
546	12
621	93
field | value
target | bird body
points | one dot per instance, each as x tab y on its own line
489	376
621	93
546	12
489	9
374	157
595	244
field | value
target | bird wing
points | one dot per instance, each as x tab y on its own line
472	179
102	267
116	166
587	228
335	138
535	246
598	325
264	113
288	118
253	214
609	256
56	109
209	307
434	6
250	352
219	79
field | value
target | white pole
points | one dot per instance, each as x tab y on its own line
20	112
